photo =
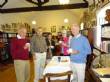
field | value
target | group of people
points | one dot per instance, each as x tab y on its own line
40	47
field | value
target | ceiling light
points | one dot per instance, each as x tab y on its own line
33	22
65	20
64	1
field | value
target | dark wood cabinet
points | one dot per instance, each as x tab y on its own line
3	46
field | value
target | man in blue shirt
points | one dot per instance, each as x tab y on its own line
80	48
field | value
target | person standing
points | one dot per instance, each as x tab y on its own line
51	46
79	49
38	50
20	53
64	43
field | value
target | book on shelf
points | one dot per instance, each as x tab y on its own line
106	32
105	46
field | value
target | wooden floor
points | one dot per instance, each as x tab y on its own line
7	73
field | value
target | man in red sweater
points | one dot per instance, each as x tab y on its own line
20	53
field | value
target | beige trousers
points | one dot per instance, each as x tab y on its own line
39	65
22	70
78	71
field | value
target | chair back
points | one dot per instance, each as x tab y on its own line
48	76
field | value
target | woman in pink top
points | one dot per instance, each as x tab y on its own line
64	43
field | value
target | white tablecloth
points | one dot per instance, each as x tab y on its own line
54	66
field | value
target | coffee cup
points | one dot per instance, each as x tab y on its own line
59	59
69	50
52	47
60	42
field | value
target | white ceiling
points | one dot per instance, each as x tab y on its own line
24	3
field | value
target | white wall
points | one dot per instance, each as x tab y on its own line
44	19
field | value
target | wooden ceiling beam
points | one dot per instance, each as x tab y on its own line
85	1
44	8
1	5
38	2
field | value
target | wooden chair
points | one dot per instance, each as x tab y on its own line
90	59
48	76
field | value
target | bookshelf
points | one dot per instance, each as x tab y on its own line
104	50
3	46
12	27
105	38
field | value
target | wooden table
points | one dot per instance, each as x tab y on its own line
54	66
100	72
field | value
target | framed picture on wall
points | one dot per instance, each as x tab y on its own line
53	29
